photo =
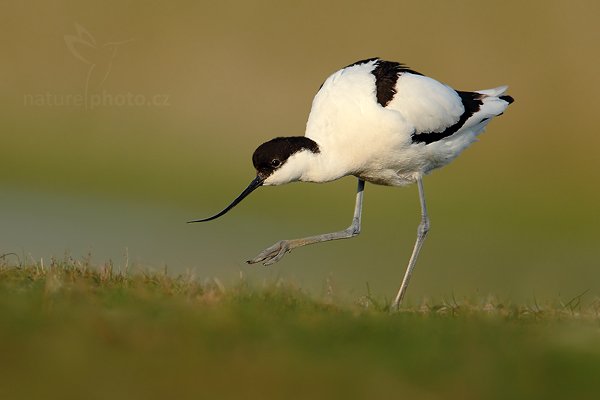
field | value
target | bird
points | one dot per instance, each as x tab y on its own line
383	123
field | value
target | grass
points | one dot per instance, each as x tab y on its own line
72	331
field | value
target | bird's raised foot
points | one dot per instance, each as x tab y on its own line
272	254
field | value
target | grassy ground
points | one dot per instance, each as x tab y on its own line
70	331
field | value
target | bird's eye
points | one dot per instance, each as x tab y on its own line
275	163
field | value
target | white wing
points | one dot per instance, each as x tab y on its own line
437	111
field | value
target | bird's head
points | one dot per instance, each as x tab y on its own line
283	159
278	161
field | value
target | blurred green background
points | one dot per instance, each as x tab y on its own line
187	90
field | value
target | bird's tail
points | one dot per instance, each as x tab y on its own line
493	104
498	92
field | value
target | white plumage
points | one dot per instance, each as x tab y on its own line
383	123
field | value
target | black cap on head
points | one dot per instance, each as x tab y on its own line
271	155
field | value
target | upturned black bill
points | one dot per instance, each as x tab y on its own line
258	181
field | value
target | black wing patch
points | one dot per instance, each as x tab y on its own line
471	102
386	75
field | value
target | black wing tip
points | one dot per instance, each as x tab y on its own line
507	98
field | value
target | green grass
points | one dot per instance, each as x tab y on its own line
70	331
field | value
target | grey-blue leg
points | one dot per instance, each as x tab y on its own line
421	234
274	253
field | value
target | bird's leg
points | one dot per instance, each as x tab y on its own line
274	253
421	233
